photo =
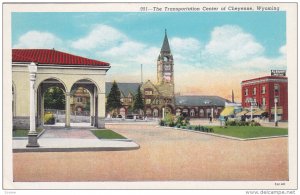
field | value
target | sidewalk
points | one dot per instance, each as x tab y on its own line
73	140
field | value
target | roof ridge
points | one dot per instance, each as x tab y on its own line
52	56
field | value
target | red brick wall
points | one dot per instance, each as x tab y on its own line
269	94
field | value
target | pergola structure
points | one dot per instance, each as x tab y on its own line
36	70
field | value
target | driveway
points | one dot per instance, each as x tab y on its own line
164	154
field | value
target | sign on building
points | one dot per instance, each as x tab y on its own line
278	72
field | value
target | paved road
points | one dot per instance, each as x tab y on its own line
165	154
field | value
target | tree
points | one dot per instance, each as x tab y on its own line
114	98
138	102
55	98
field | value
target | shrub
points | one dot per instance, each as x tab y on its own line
231	123
178	126
254	123
183	127
162	122
172	124
197	128
170	119
180	120
187	121
49	118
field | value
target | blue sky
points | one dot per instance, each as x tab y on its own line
216	43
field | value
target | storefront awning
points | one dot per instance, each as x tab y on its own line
227	111
242	113
279	110
256	112
259	112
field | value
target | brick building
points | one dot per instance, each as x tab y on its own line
263	92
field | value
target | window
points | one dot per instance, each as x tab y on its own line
246	92
254	91
276	99
148	92
148	101
148	111
79	99
263	102
155	112
276	88
192	113
201	113
178	112
263	90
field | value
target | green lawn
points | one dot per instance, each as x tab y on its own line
23	132
107	134
249	131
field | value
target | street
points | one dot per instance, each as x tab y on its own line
165	154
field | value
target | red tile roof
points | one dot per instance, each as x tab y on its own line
51	56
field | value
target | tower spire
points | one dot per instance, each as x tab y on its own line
165	47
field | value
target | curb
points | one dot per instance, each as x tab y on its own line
224	136
90	149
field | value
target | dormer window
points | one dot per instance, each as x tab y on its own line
148	92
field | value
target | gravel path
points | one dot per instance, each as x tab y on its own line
164	154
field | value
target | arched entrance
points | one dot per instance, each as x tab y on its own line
84	102
51	102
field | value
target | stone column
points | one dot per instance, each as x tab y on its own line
42	108
68	110
101	110
92	109
95	106
32	134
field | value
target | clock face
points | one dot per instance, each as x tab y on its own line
167	67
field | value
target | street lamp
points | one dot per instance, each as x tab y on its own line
252	103
32	134
275	112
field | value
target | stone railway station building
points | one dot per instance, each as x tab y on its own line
160	96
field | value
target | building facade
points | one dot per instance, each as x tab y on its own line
264	92
34	71
160	97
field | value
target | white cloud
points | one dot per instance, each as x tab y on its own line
38	40
131	53
184	44
185	49
232	43
282	50
101	36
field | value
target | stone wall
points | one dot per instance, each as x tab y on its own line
21	122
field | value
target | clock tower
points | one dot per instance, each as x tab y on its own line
165	69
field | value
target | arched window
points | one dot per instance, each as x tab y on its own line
148	112
201	112
192	112
155	112
123	112
178	111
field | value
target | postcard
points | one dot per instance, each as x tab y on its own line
150	96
